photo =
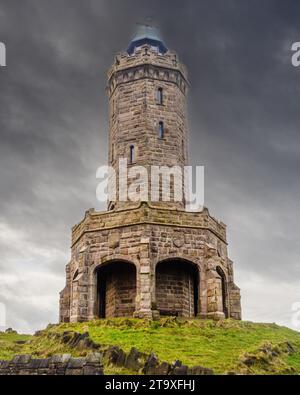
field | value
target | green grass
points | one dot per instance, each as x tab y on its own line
9	344
216	345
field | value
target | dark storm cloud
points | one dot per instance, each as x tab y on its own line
244	127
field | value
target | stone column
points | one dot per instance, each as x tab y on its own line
202	290
235	310
234	295
79	289
79	308
93	306
65	299
145	283
214	296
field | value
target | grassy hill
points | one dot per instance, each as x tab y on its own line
224	346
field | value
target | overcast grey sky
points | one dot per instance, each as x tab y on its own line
244	127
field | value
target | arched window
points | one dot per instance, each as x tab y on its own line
161	130
131	154
159	96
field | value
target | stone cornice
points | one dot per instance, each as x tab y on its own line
150	71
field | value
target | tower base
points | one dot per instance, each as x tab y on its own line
148	262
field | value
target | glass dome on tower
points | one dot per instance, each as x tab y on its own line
147	34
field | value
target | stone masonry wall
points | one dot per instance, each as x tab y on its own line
175	290
120	291
58	365
135	114
145	245
145	213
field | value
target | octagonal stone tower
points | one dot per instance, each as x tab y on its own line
148	258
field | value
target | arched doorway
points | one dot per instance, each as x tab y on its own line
177	282
224	290
116	289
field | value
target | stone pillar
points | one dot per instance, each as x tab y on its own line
65	299
64	305
83	299
145	283
93	306
202	294
234	295
214	296
74	302
79	289
235	310
79	307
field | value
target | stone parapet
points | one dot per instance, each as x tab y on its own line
145	214
146	55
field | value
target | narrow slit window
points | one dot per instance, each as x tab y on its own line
75	275
131	154
161	130
160	97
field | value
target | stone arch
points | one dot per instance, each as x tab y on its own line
184	257
115	257
115	288
177	287
224	290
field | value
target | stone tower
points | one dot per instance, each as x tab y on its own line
147	88
148	258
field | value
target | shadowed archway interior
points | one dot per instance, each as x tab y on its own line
116	289
177	283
